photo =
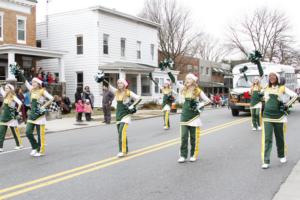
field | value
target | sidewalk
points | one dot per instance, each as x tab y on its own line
290	189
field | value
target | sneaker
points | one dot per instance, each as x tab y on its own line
37	154
254	129
166	128
120	154
1	150
181	160
283	160
18	147
193	159
265	166
259	128
33	152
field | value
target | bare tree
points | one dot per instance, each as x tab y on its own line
265	30
209	48
175	34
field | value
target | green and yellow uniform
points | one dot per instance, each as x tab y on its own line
8	119
37	118
166	106
275	120
190	122
256	106
123	115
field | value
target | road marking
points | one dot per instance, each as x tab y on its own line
65	175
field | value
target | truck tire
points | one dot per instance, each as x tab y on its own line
235	112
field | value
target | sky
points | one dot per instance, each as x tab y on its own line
210	16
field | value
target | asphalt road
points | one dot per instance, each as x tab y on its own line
81	164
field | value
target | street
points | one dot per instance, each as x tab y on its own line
82	164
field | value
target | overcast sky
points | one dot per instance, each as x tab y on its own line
212	16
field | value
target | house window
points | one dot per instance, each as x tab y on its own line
202	70
123	46
189	68
105	43
80	79
146	86
39	43
138	50
1	26
152	51
21	29
79	44
156	88
207	71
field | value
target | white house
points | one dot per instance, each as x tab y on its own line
121	45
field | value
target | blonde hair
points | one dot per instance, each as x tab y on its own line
195	91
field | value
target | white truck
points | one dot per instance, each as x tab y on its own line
239	99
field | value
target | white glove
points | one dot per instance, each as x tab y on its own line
200	106
131	107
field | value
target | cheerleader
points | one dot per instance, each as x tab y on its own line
275	119
9	114
255	104
190	121
37	118
124	110
168	99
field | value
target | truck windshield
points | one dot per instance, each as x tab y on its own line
247	84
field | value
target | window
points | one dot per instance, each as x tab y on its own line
189	68
156	88
21	29
80	79
39	43
123	46
138	50
152	51
1	26
146	86
207	70
105	43
202	70
79	44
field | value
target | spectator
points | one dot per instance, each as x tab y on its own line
217	100
87	94
40	76
88	110
107	99
79	110
66	105
78	94
50	78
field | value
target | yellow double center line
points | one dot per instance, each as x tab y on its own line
68	174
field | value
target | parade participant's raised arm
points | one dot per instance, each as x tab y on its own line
2	91
28	85
17	100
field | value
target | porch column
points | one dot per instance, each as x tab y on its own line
11	60
139	84
122	74
62	77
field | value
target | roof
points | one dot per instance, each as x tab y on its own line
31	51
127	66
124	15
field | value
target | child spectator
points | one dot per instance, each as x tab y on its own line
50	78
88	110
79	110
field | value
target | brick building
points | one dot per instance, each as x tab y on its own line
18	39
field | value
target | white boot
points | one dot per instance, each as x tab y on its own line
1	150
193	159
283	160
120	154
259	128
254	129
181	160
33	152
37	154
18	147
265	166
